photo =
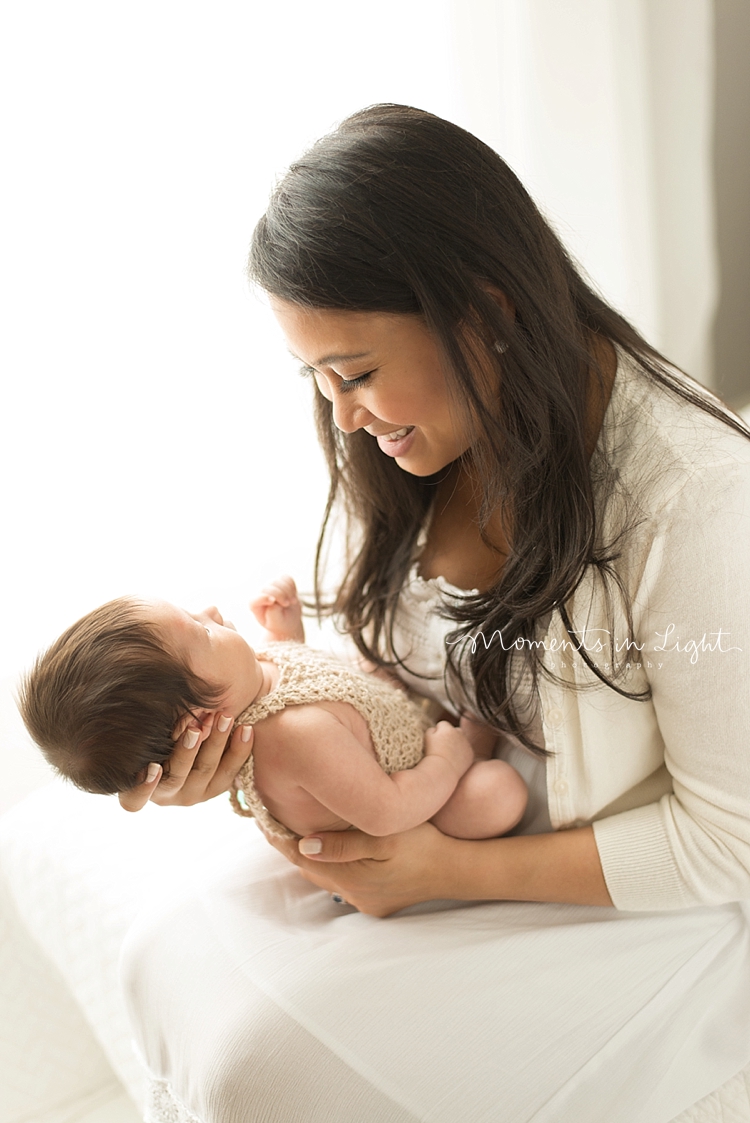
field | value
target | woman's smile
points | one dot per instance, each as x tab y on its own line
381	372
395	444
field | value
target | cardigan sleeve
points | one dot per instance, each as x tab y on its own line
692	612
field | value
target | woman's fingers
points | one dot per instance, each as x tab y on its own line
204	763
378	876
325	876
193	751
234	756
201	772
331	846
344	846
138	797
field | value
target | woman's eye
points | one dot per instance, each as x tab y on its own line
350	383
342	384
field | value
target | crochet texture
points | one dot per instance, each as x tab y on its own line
396	724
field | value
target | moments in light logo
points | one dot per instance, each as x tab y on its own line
600	642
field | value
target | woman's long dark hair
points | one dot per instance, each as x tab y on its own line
401	211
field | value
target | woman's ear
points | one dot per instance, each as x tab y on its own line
501	299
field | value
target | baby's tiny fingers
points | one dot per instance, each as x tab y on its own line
288	584
275	595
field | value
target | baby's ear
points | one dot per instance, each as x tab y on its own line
194	719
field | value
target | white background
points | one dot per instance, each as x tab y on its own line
156	438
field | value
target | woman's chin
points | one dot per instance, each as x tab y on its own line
415	467
426	464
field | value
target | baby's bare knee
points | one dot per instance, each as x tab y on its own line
489	801
492	782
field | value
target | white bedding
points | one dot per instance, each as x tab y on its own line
730	1104
80	873
74	872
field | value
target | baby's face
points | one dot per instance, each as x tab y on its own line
214	650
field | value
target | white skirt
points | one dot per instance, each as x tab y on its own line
256	998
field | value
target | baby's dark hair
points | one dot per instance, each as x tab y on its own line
103	700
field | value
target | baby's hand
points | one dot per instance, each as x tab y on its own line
278	610
451	744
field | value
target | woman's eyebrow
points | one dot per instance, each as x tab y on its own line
326	360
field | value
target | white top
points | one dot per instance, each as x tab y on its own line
420	633
667	781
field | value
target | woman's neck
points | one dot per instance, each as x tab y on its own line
455	548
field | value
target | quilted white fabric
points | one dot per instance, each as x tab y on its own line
162	1106
729	1104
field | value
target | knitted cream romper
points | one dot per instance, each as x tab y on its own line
397	725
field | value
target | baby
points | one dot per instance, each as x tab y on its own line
333	747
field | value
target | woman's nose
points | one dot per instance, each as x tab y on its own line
348	416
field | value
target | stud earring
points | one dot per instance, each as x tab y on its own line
501	348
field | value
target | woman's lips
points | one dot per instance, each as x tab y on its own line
398	442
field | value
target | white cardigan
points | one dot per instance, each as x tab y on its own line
668	781
665	782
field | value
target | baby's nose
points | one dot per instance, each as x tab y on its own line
213	613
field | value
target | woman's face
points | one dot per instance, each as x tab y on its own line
382	372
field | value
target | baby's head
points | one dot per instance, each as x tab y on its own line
103	701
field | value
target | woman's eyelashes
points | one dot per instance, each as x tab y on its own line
343	384
352	383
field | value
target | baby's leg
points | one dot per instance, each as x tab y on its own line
490	799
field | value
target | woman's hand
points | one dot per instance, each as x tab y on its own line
205	762
378	876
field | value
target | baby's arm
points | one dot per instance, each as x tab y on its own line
328	762
278	610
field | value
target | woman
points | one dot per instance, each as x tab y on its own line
548	528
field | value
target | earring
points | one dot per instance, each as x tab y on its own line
501	348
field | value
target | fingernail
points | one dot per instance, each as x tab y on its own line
191	738
154	770
223	723
310	846
246	734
